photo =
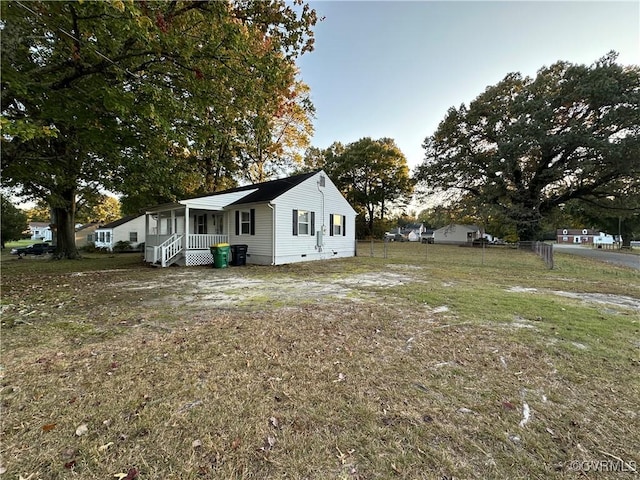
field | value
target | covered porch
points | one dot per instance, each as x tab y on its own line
178	234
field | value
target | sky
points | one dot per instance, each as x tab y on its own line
394	68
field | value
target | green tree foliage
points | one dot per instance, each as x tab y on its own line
13	221
142	98
103	208
528	145
372	175
40	212
276	139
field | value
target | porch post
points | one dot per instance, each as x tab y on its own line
172	228
186	227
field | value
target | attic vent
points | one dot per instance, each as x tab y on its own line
321	181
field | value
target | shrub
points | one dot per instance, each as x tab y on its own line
122	246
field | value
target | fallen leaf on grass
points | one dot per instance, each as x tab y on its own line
70	464
196	443
269	443
236	443
48	427
103	448
130	475
82	429
274	422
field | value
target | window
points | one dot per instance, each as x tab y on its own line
303	222
133	237
336	225
246	222
103	237
90	238
201	224
218	222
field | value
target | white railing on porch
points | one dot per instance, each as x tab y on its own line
168	250
204	241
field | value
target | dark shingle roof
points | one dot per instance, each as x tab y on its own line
117	223
267	191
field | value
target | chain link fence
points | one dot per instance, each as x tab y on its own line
543	250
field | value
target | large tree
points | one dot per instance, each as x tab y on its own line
372	174
528	145
116	94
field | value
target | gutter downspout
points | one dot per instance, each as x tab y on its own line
273	239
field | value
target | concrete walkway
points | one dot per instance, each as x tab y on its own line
608	256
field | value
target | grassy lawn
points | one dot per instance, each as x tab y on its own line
434	362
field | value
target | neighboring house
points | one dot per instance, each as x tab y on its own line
294	219
603	239
85	234
131	228
457	234
576	235
40	231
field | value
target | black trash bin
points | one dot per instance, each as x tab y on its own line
238	255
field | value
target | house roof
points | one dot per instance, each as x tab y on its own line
267	191
38	224
88	225
453	226
117	223
255	193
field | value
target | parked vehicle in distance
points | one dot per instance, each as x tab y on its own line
33	249
394	237
426	238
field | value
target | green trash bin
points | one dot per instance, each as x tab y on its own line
221	253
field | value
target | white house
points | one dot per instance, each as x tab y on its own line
603	239
294	219
130	229
85	234
456	234
40	231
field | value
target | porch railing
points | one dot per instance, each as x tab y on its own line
204	241
168	250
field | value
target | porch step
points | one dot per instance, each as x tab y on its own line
173	260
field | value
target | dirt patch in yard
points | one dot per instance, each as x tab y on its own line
599	298
233	289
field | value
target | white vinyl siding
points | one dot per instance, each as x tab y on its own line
308	196
259	245
135	227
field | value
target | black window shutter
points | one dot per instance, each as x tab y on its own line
295	222
253	221
331	224
344	226
313	224
237	222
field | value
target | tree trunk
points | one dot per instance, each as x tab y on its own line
626	234
64	218
370	221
